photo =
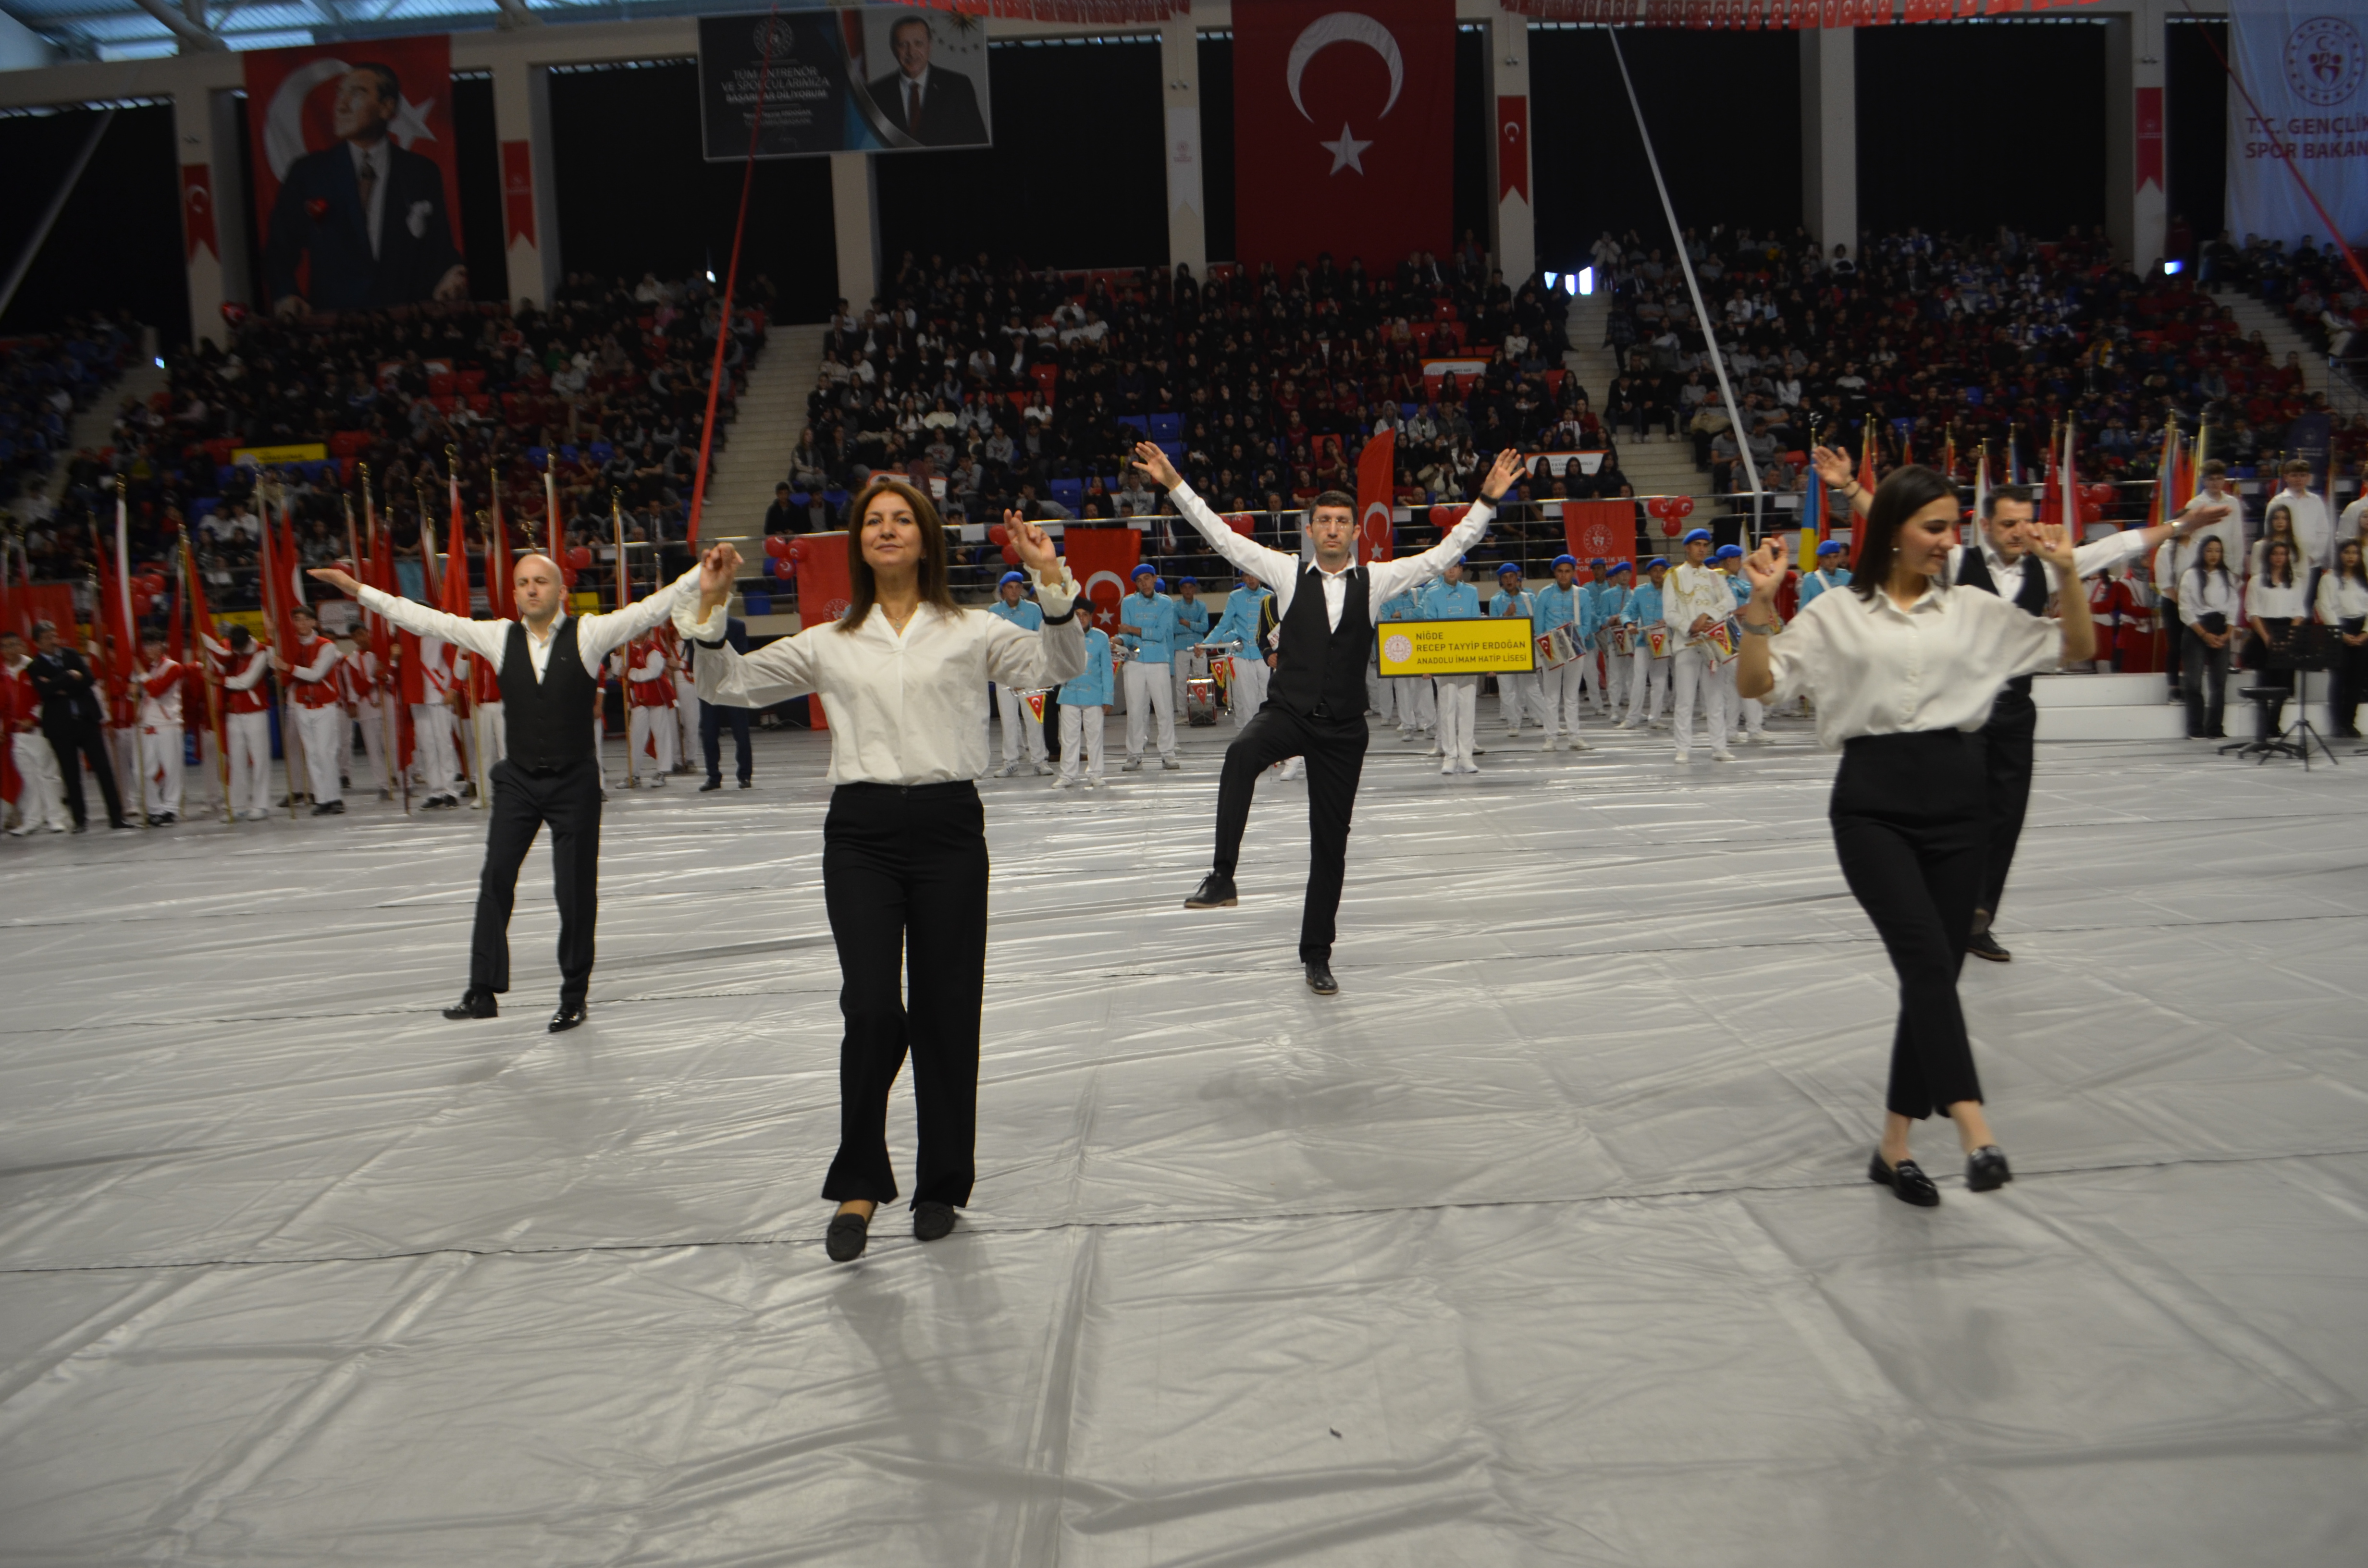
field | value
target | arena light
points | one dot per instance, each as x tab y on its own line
2172	268
1551	278
160	362
1587	280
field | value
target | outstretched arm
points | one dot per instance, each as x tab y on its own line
1833	468
1245	555
485	637
1393	577
2079	630
1764	568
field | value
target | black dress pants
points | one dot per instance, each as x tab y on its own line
712	717
71	742
1334	751
1911	824
904	877
2007	760
568	798
2206	687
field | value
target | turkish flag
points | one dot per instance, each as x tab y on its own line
1376	488
197	209
825	591
1600	529
1344	130
1102	560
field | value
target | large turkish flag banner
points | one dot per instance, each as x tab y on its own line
1102	560
1344	130
1600	529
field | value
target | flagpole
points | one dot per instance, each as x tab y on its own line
213	678
390	723
130	656
291	742
476	704
617	526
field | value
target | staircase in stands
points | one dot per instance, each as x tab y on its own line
772	412
1655	465
93	429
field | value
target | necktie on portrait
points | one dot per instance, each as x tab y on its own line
366	178
912	109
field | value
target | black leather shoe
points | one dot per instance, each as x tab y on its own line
1907	1180
474	1005
1215	892
747	784
846	1237
933	1221
710	786
1320	981
1985	946
1986	1169
571	1013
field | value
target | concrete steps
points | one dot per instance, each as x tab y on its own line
2125	708
93	428
772	412
1655	466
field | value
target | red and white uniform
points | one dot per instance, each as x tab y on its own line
2104	604
2134	630
40	789
427	684
312	690
247	728
162	762
652	730
686	698
359	684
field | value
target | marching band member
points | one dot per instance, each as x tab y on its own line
1562	603
1694	599
1023	732
650	726
1591	675
428	685
1830	573
308	666
161	755
1239	628
41	798
685	701
2343	607
1191	629
1649	672
1612	610
1315	706
1515	689
1085	709
360	682
1452	599
2134	614
1147	618
246	723
1904	668
1418	711
1748	715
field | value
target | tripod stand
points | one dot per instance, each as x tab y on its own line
2307	650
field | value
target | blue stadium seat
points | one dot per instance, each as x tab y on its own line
1138	422
1174	451
539	456
568	452
1167	427
1070	492
602	451
757	604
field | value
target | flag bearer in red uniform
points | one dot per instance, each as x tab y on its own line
652	726
160	681
246	697
309	667
40	792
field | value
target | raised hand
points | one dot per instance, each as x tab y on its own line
2201	513
1765	569
719	568
2053	544
1501	475
1153	462
340	580
1034	546
1833	467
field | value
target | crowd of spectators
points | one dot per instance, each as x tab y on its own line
1983	339
608	387
44	381
2312	285
1023	388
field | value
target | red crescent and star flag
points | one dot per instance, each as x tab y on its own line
1344	130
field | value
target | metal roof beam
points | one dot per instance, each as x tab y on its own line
193	35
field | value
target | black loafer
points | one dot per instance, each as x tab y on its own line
474	1005
1907	1180
1986	1169
846	1237
1985	946
1215	892
710	786
1320	981
572	1013
933	1221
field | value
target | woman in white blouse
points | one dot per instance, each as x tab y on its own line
904	676
2276	610
2344	605
1903	670
2207	608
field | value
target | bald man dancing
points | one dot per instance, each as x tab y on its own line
546	661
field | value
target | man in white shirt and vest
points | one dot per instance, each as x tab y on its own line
1315	702
544	663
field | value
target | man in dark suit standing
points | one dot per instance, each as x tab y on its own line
714	716
369	215
937	108
71	711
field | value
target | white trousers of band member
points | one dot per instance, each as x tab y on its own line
498	735
686	718
1181	668
1590	677
122	742
1417	710
1249	680
1459	700
316	729
1149	694
1519	695
1381	696
161	767
42	801
1021	730
1618	669
373	724
1081	742
1647	673
1558	699
431	750
652	736
250	762
1691	672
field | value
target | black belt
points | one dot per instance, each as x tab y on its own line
916	792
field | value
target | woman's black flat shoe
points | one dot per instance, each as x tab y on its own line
846	1237
1986	1169
932	1219
1907	1180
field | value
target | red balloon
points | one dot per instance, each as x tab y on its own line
998	534
1681	505
2092	513
580	557
152	581
778	545
1659	506
1241	522
140	602
1010	556
1669	526
798	547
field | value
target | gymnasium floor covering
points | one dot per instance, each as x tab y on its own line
1548	1242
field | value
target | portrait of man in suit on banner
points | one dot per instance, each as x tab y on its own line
934	105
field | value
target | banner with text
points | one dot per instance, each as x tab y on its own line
2306	65
1490	646
854	79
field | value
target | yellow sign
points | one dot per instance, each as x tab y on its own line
1458	647
272	457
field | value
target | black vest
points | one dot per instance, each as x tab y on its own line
2031	597
547	722
1320	667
